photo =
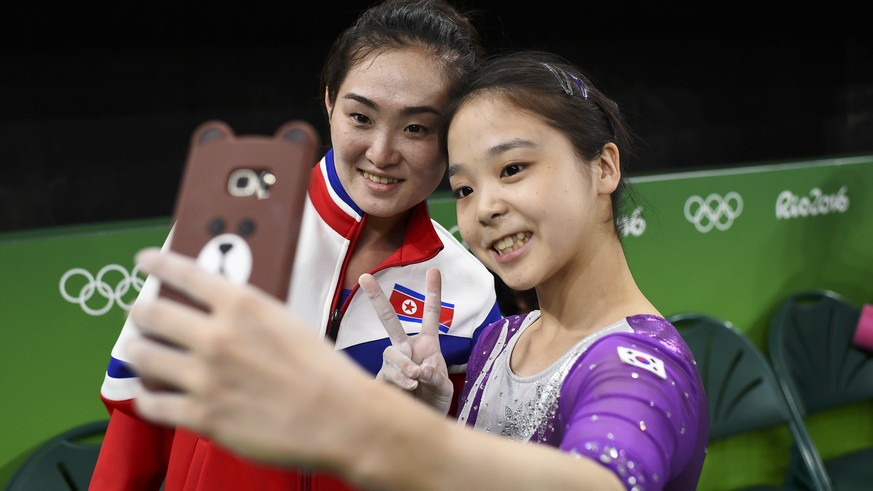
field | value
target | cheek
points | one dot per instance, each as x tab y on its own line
426	162
467	225
346	141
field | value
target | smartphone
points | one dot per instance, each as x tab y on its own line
240	202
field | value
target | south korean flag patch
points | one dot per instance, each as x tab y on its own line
642	360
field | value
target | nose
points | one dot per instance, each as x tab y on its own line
383	150
490	204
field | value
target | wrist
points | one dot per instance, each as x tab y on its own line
406	431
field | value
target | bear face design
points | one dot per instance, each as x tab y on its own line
228	255
240	203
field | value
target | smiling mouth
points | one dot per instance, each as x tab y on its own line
380	180
510	243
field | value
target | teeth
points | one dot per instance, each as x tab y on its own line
381	180
511	243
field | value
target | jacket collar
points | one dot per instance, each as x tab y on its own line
345	217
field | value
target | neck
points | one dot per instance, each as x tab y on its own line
379	239
384	230
586	297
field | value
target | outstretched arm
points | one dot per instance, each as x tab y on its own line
414	363
252	376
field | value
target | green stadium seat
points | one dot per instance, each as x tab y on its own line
744	396
811	349
64	462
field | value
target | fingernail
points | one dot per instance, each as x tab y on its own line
146	258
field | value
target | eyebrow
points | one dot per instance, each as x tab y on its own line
507	146
497	150
408	111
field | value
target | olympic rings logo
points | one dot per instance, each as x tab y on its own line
107	295
714	211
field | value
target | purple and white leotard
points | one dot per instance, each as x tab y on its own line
627	396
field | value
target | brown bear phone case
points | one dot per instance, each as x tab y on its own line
240	203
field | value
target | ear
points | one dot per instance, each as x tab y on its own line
608	169
327	105
299	132
212	130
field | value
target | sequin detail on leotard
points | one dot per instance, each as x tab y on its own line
526	405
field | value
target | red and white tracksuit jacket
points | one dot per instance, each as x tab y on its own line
137	455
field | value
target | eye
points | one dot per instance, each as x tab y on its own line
246	227
360	118
416	128
462	192
511	170
215	226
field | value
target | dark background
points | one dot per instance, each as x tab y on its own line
98	101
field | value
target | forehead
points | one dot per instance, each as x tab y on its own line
407	76
490	129
488	117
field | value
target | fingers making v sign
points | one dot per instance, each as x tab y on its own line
414	362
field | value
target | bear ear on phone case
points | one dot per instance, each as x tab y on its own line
240	202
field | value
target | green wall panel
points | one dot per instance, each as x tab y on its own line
730	243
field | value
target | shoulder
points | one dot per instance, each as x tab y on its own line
661	335
646	372
503	329
653	350
651	334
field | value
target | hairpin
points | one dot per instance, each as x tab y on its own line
564	80
583	89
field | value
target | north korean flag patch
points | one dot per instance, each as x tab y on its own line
409	306
642	360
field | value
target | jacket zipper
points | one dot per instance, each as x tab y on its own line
333	326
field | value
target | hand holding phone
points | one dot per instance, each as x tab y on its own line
239	206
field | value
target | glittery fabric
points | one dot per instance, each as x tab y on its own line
627	396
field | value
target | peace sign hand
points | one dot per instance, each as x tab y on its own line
414	362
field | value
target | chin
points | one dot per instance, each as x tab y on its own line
383	208
517	283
